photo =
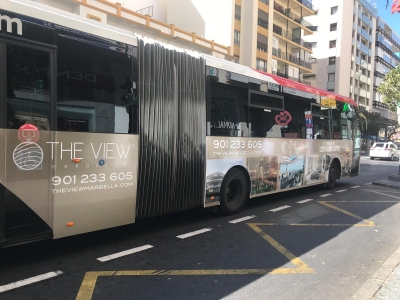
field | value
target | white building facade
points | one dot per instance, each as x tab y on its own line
344	48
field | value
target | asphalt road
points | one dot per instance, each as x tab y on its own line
324	247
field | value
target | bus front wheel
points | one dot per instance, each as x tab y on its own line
234	192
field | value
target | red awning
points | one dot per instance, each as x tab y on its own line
309	89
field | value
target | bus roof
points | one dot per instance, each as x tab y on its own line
309	89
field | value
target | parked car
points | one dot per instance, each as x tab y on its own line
384	151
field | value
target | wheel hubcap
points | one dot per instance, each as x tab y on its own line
232	191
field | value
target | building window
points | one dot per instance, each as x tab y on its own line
331	77
334	10
237	12
313	44
332	44
334	27
332	91
313	60
237	37
236	60
332	60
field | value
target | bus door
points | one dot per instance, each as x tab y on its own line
27	97
356	137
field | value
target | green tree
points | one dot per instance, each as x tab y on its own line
390	88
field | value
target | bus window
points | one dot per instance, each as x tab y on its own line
322	118
28	87
264	108
228	110
97	85
296	128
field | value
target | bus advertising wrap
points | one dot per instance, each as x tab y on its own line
274	164
88	179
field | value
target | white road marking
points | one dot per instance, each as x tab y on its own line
325	195
368	183
375	164
186	235
242	219
30	280
279	208
340	191
124	253
356	186
304	201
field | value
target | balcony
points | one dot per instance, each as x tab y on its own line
265	1
291	37
291	78
290	15
262	47
307	4
366	35
380	105
263	23
387	36
288	57
367	21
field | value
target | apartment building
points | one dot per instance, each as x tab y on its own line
386	46
154	19
268	35
344	48
263	34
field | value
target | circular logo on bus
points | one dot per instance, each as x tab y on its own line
28	156
283	118
28	133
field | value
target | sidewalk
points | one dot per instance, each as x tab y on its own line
393	182
384	284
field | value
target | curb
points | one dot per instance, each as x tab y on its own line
386	185
369	289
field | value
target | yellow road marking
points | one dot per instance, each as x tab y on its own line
368	222
89	281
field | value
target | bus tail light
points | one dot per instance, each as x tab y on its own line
76	160
70	224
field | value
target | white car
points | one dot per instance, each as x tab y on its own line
384	151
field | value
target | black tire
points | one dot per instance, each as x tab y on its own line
234	192
331	179
371	158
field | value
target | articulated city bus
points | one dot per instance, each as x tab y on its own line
102	126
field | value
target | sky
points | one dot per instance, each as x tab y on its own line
393	20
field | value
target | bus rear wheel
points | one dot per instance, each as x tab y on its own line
331	179
234	192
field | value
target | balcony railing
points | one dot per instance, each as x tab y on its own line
265	1
291	78
384	62
263	23
307	4
278	53
238	17
381	105
379	74
387	50
290	15
262	47
386	35
289	36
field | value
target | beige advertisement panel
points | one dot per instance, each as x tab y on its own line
76	182
273	164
